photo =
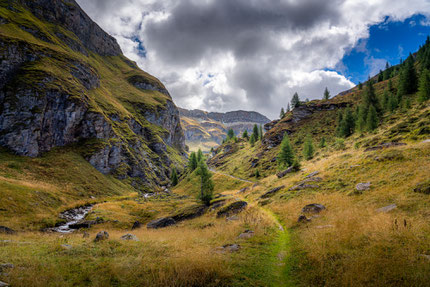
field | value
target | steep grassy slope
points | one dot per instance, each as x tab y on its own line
59	89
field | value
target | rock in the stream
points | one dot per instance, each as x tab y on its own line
161	223
246	234
232	208
313	208
136	225
3	284
387	208
102	235
362	186
272	192
6	230
129	236
83	224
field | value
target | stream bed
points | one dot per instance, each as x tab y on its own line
72	217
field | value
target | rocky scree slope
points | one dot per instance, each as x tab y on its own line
64	81
210	128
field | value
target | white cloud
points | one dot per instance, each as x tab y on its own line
245	54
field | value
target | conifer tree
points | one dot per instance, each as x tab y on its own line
408	79
230	134
286	153
339	123
255	132
361	118
288	107
392	103
257	173
384	100
308	149
295	101
199	155
174	177
252	140
261	132
192	163
323	143
282	114
380	76
206	184
424	86
245	135
372	119
326	95
370	96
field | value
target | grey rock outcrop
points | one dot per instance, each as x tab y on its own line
101	236
161	223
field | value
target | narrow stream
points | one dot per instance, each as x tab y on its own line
72	216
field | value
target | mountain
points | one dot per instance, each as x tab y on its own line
207	130
64	82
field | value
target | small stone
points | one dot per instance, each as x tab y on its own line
6	230
312	174
425	256
313	208
66	246
129	237
136	225
102	235
5	266
247	234
272	192
232	218
423	188
362	186
231	247
387	208
324	226
3	284
303	218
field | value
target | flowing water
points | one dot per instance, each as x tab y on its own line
72	216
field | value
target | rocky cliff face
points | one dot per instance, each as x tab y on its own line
59	88
208	129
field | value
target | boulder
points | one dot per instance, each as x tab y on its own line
6	230
312	174
272	192
232	208
161	223
232	218
83	224
136	225
102	235
387	208
190	212
423	187
129	236
303	185
246	234
303	218
313	208
285	172
362	186
230	247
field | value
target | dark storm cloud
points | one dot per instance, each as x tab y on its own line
245	27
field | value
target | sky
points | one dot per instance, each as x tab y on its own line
223	55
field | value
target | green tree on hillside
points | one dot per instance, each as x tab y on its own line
288	107
295	101
347	124
372	119
261	132
308	148
282	114
392	103
230	134
326	95
360	86
286	153
174	177
408	79
323	143
206	184
369	97
255	132
200	156
424	86
361	118
245	135
192	162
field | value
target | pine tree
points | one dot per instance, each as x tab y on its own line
286	153
252	140
282	114
323	143
384	101
255	132
326	95
257	173
380	76
390	85
408	79
295	101
288	107
206	184
200	155
245	135
192	163
308	149
424	87
361	118
369	97
392	103
261	132
372	119
230	134
174	177
339	123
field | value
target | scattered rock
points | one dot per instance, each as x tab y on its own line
423	187
311	179
312	174
313	208
136	225
303	218
85	235
102	235
129	236
3	284
5	266
362	186
6	230
190	212
303	185
232	218
384	145
247	234
425	256
161	223
232	208
83	224
285	172
387	208
66	246
324	226
229	248
272	192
